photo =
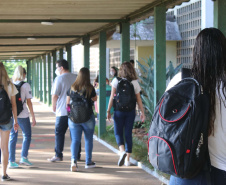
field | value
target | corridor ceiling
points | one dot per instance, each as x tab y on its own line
72	19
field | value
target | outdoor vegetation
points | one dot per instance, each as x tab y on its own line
12	64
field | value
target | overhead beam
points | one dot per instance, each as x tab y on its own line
61	20
25	51
41	37
20	45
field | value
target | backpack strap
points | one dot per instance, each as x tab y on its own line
19	86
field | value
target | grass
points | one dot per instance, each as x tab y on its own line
140	151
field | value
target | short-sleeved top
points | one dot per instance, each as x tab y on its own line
25	93
60	86
135	83
12	91
93	94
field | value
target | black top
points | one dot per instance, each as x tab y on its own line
93	94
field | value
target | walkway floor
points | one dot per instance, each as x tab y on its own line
44	172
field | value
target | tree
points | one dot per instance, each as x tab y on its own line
11	65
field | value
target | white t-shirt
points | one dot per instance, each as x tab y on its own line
135	83
217	142
12	91
25	94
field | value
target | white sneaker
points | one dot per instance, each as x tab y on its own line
74	167
122	158
127	163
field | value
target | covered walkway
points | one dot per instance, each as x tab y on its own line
44	172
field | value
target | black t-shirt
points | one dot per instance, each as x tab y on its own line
93	94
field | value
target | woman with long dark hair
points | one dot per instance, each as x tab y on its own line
81	89
209	69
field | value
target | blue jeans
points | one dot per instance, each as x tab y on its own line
123	124
25	126
218	177
200	179
76	135
61	126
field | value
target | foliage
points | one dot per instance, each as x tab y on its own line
147	82
12	64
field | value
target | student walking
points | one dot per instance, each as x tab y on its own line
7	93
80	98
125	93
23	119
61	84
209	69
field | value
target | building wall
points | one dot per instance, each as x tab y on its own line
147	51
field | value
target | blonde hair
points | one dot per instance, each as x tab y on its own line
82	82
127	71
4	78
18	74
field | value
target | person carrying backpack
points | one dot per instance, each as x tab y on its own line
7	109
209	69
124	95
80	99
23	99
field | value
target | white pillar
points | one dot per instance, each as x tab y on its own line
207	14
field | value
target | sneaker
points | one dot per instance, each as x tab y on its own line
13	165
122	159
25	161
55	159
5	178
127	163
90	165
74	167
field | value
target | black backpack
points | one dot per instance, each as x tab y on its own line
19	102
80	108
178	136
125	99
5	107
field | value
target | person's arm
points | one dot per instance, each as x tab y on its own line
54	100
110	104
30	106
14	110
67	100
140	104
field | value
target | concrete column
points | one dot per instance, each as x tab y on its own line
220	15
61	53
102	84
159	52
41	79
54	63
44	81
86	50
49	80
125	42
68	49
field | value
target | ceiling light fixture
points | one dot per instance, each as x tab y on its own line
47	23
31	38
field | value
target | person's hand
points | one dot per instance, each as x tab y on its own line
109	115
142	116
54	108
16	126
33	122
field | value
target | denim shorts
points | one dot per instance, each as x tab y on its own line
7	126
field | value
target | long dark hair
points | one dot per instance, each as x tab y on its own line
82	82
209	66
